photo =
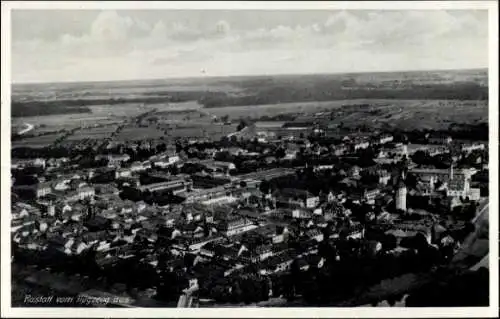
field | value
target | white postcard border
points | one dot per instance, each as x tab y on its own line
8	311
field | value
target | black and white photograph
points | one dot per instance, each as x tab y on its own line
251	159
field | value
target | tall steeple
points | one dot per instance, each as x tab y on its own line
451	169
401	191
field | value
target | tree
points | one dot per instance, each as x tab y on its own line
389	242
243	123
420	157
265	186
280	153
131	193
174	170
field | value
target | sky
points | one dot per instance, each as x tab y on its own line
93	45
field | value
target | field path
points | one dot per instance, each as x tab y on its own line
28	128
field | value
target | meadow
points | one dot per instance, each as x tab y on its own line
412	114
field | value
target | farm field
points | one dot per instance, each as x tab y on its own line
206	130
96	133
55	123
177	107
100	115
395	113
131	133
37	141
120	111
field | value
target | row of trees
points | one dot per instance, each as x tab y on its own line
157	197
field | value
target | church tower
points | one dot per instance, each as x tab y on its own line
401	197
451	170
401	193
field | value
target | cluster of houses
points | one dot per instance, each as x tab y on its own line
226	222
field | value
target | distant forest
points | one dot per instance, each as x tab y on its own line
68	106
298	92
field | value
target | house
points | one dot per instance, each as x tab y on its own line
315	261
175	185
236	151
17	224
21	163
194	245
340	150
220	166
61	184
234	224
209	249
373	247
172	159
315	234
354	171
287	195
323	167
193	231
439	139
140	166
383	177
385	138
276	264
210	152
301	213
361	145
457	187
270	159
256	254
223	199
472	147
22	210
123	172
43	189
86	192
405	229
355	231
166	161
302	264
273	233
209	181
113	159
76	183
370	194
74	246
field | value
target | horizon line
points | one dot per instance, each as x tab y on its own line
486	68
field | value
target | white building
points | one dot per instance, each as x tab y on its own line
401	197
386	139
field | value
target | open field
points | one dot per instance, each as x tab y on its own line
376	113
56	123
37	141
130	133
97	133
206	130
178	107
119	111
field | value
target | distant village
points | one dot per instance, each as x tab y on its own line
255	215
